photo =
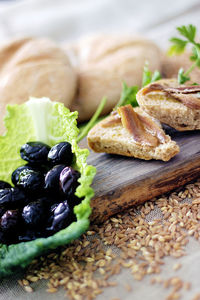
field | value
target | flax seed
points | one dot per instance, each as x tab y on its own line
128	287
196	297
142	243
187	286
28	289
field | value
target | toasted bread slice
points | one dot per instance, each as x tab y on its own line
171	103
111	136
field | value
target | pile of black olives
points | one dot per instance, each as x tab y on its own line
42	199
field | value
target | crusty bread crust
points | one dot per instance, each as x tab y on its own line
169	110
103	62
35	67
116	140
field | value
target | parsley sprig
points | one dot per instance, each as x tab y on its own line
179	45
148	77
128	94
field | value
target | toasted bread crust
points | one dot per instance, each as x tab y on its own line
117	140
169	110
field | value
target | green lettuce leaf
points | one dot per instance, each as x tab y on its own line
51	123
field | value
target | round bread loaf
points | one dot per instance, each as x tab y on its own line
79	75
37	68
103	62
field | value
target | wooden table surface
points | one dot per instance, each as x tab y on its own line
122	182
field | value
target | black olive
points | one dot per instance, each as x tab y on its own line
7	238
61	217
10	227
12	198
73	201
10	221
31	181
51	214
53	207
3	239
34	214
15	174
52	178
35	152
61	154
29	235
4	185
2	211
69	181
48	200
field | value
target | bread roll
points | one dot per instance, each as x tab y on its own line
34	67
103	62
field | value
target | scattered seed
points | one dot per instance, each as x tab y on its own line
33	278
52	290
128	287
173	296
187	286
28	289
196	297
25	282
177	266
137	239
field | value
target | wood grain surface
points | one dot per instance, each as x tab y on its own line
122	182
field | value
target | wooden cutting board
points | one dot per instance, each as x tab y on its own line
122	182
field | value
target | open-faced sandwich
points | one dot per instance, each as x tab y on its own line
177	105
132	132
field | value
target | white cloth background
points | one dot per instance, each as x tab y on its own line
68	19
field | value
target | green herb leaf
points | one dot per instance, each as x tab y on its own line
92	121
148	77
128	95
49	122
178	46
188	31
182	78
156	76
195	56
